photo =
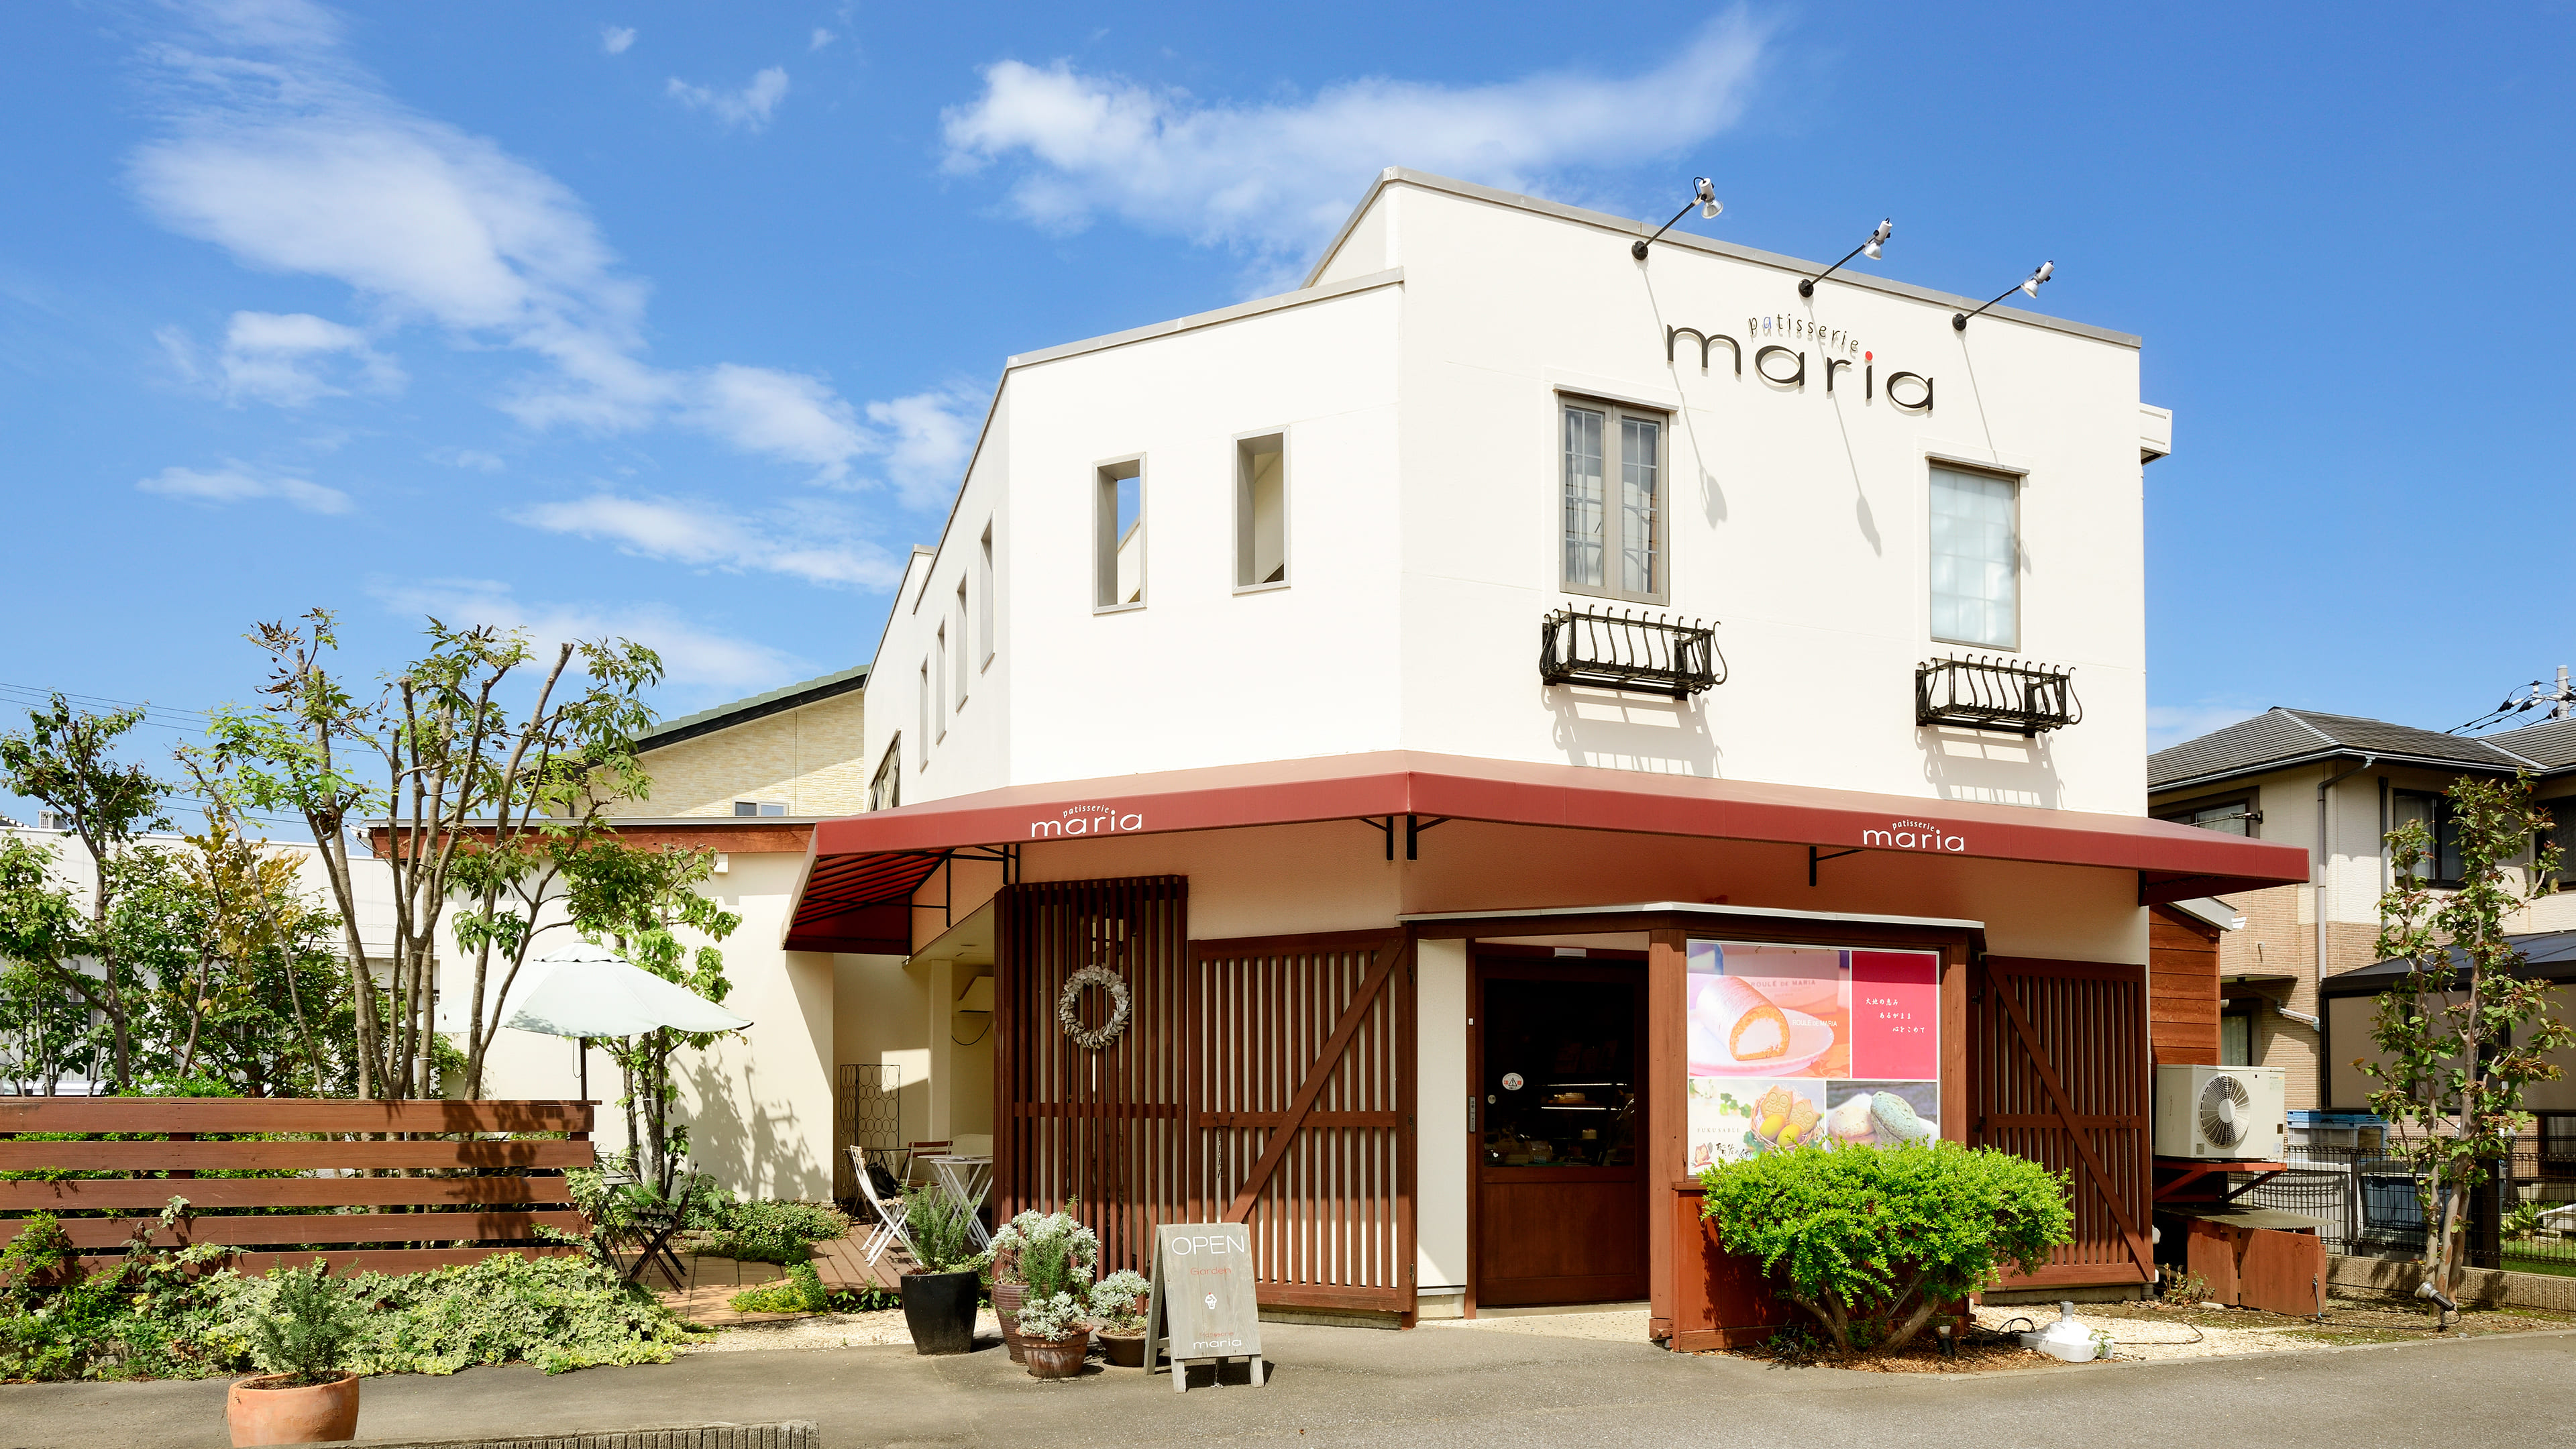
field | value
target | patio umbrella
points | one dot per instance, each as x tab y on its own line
587	991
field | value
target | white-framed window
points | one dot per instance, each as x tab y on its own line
1118	534
760	807
1610	500
1976	559
924	731
1261	511
938	672
962	651
984	598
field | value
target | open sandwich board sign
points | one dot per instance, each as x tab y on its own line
1202	1306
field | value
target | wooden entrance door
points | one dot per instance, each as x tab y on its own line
1558	1120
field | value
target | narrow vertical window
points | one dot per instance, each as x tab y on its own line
1611	495
1583	520
984	598
962	651
1260	512
1119	534
924	731
1976	560
885	792
939	671
1641	566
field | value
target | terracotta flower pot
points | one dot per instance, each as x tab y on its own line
1057	1358
316	1414
1007	1298
1125	1350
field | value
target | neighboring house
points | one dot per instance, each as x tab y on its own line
2335	786
1537	627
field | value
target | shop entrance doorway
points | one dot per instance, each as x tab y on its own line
1560	1204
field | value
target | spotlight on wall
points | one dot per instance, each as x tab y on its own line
2027	286
1703	196
1877	239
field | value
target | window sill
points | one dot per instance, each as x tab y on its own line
1658	601
1270	588
1117	608
1973	644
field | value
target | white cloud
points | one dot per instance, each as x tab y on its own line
292	158
692	656
2172	724
749	108
821	38
614	39
786	415
928	437
474	458
706	535
1276	179
289	359
236	484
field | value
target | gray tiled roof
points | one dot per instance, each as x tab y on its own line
2550	744
2280	737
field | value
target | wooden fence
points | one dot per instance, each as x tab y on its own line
470	1194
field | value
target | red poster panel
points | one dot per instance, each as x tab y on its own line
1896	1015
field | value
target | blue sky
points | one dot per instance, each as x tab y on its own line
676	320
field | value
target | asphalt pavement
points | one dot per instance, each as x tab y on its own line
1443	1387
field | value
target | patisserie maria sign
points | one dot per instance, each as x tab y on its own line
1087	820
1797	1046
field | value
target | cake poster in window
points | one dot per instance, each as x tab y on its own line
1809	1046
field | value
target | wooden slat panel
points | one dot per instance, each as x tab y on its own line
255	1114
215	1156
2082	1027
316	1228
233	1192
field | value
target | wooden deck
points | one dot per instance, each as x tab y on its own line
709	1283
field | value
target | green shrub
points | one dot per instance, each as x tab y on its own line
937	1225
771	1231
1874	1241
801	1291
307	1328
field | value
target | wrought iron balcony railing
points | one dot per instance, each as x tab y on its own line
1989	692
1646	654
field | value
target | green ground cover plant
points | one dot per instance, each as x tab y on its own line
1873	1242
164	1314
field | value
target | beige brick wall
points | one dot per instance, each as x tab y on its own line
807	758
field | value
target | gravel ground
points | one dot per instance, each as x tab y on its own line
826	1330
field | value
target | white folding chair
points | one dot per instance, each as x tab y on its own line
889	1225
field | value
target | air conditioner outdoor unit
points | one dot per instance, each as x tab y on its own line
2219	1113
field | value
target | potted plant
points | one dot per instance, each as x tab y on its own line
940	1289
1010	1287
1054	1333
1118	1306
305	1397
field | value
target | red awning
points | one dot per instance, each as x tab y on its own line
864	869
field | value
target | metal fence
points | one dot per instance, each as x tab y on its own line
2369	1204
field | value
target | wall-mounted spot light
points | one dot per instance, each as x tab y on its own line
1703	196
1877	239
2028	286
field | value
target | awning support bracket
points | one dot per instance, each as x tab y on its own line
1414	825
1816	857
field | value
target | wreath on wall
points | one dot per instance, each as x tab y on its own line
1068	1007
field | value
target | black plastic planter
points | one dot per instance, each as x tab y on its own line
939	1308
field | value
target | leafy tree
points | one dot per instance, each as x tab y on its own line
2463	1034
66	759
45	1023
1873	1242
637	902
457	793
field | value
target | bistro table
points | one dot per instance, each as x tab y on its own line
966	1180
